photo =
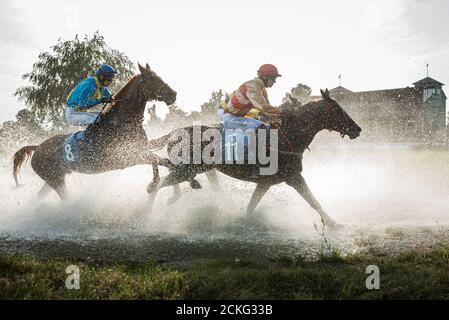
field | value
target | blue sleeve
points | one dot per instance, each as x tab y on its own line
86	91
106	93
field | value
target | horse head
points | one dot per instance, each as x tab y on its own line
154	88
130	101
337	119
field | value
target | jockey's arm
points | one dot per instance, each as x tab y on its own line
272	111
106	93
259	102
84	100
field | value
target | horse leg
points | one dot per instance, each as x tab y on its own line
302	188
176	188
49	167
43	191
176	194
194	184
162	162
156	177
170	180
62	192
259	192
58	184
213	180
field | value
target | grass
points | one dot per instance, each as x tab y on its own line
408	276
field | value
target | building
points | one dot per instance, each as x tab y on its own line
411	114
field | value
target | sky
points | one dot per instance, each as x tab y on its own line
200	46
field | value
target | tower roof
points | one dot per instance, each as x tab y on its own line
427	80
339	90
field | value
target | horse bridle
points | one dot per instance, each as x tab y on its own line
157	95
342	120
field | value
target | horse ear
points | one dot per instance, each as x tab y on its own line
141	69
294	100
148	67
325	94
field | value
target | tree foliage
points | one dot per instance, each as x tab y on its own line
210	107
57	72
301	92
22	131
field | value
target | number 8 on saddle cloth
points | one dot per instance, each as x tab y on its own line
73	147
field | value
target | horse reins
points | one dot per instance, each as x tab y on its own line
141	95
284	138
287	141
341	120
158	92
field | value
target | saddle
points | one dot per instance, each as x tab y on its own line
236	144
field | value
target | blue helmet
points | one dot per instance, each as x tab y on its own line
105	69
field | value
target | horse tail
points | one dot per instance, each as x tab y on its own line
20	157
159	143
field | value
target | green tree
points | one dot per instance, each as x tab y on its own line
210	107
301	92
57	72
26	120
22	131
176	117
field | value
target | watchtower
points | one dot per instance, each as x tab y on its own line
434	103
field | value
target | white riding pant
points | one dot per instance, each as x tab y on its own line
80	118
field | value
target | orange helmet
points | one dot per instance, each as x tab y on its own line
268	70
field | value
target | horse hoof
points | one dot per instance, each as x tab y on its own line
195	184
334	226
151	187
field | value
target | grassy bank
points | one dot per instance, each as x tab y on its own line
410	275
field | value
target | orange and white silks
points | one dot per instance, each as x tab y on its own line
251	94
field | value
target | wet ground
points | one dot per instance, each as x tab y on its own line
391	200
184	250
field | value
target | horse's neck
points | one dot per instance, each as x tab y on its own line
126	113
129	107
129	110
308	127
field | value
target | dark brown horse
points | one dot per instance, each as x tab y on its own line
297	128
115	141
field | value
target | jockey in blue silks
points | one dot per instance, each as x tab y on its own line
87	94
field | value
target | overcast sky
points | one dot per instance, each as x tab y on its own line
198	46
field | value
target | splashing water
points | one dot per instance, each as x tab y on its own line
370	189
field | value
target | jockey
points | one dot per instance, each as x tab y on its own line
89	93
249	96
247	101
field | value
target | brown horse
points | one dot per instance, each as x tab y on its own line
117	139
297	129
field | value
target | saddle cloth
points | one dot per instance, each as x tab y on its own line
73	147
235	143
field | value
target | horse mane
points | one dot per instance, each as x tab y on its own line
309	105
302	110
120	94
125	88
